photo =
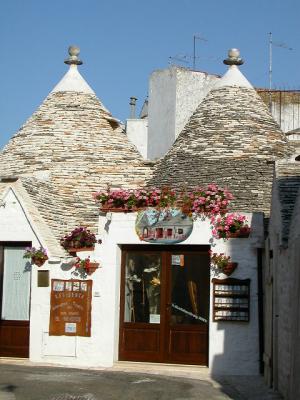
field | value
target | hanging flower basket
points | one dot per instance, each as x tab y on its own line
39	261
37	256
78	249
80	239
92	268
229	268
230	226
86	266
240	233
222	263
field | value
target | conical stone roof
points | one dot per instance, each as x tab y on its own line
68	149
231	139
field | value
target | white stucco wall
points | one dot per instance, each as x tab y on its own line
191	88
233	346
161	112
137	132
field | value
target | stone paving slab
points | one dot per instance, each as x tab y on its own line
50	383
24	380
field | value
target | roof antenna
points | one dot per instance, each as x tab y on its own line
271	44
196	37
73	59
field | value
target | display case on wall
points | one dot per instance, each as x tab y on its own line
231	300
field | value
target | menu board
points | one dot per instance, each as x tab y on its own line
70	307
231	299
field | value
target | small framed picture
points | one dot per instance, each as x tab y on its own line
58	286
76	286
70	327
68	286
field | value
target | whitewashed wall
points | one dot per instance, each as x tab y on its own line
174	94
233	346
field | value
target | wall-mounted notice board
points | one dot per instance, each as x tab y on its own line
70	308
231	299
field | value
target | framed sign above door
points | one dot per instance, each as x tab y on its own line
168	226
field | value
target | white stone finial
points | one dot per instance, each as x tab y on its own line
73	59
233	58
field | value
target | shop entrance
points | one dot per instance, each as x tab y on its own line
164	314
15	274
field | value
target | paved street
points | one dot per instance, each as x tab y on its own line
19	382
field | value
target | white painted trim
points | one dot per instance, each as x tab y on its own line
72	81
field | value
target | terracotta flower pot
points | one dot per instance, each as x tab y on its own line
73	250
39	261
239	234
92	268
230	267
114	209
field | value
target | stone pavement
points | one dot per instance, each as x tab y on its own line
22	380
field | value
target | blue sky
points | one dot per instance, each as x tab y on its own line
123	41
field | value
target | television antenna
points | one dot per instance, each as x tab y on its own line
183	58
271	44
196	37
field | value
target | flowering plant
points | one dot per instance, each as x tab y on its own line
38	256
135	199
210	200
86	265
225	226
219	260
116	198
78	238
162	198
223	263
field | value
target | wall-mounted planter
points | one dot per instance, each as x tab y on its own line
92	268
239	234
116	210
74	250
39	261
230	268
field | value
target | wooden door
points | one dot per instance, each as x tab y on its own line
164	309
15	277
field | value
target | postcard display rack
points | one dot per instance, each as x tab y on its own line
231	299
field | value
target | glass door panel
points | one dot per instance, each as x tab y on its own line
142	288
189	289
16	285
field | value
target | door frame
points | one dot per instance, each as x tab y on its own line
24	325
165	275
